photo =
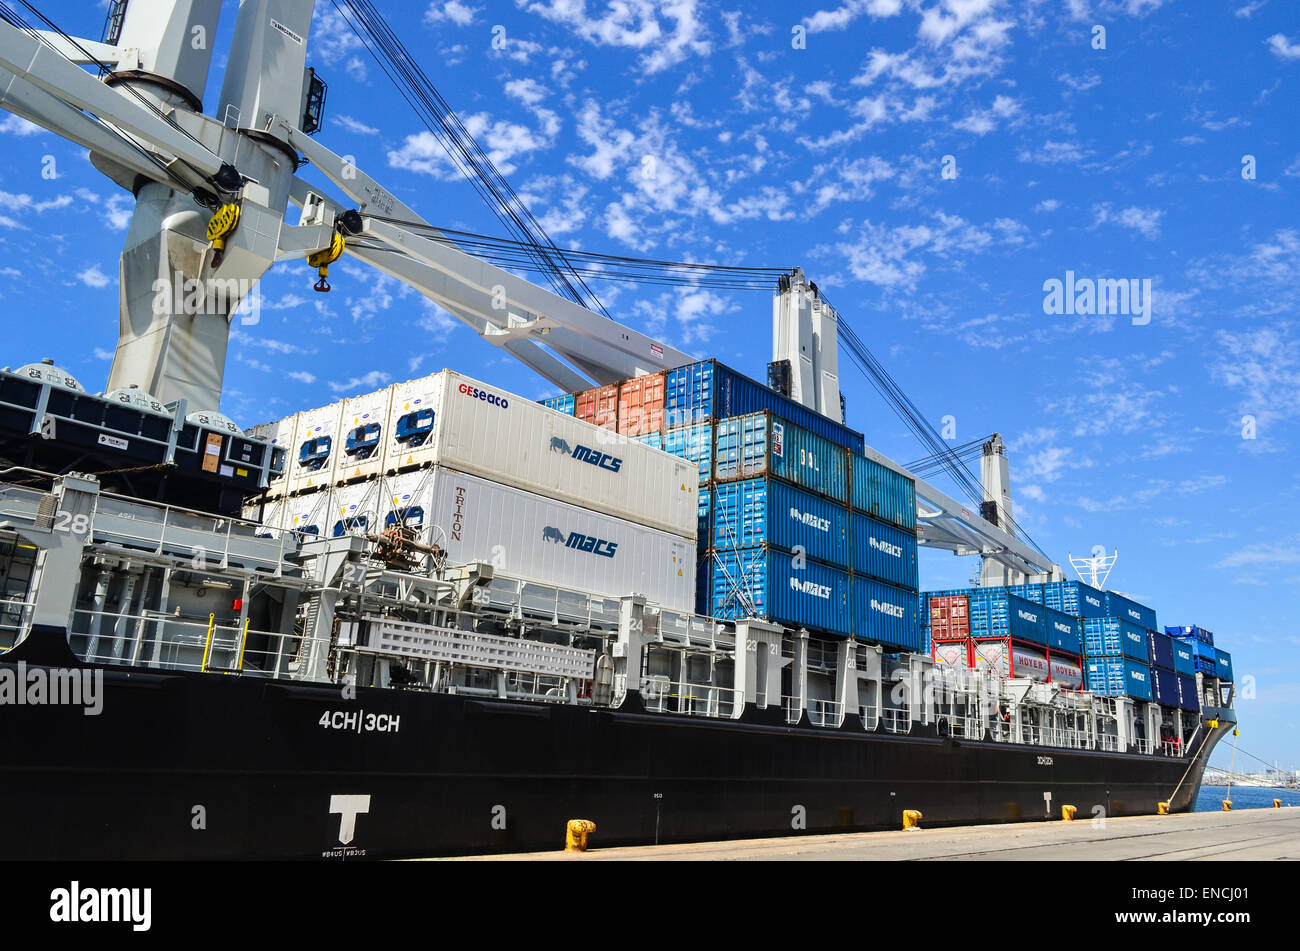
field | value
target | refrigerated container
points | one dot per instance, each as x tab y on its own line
541	539
281	435
358	509
361	424
880	491
316	449
883	551
768	584
408	435
762	444
309	514
767	512
887	615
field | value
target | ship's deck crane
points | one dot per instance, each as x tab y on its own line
212	195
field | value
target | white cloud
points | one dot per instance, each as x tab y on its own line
634	24
462	14
374	380
842	16
17	125
93	277
102	354
1047	204
1283	48
1052	153
302	376
1145	221
355	125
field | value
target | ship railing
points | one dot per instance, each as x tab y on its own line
870	718
169	642
896	720
1142	745
1171	748
825	713
15	616
691	699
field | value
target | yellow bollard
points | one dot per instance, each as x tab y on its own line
575	839
1227	805
1162	808
1277	803
1067	813
912	819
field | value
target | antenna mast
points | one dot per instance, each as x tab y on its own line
1097	567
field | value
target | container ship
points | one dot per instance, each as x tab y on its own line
441	618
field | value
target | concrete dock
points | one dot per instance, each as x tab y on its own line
1254	834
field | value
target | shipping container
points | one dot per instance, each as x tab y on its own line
359	508
996	613
949	616
1184	656
408	437
1065	671
704	521
764	583
1008	658
310	514
1223	665
607	407
767	512
311	464
653	440
1064	632
1030	592
1112	637
525	535
1161	650
883	551
880	491
1117	605
761	444
694	444
407	495
584	405
561	404
281	434
1164	687
361	425
708	391
1192	633
501	437
887	615
1189	697
1119	676
952	654
641	405
1075	598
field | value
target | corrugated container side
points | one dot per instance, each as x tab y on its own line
607	407
1064	632
694	444
653	440
1076	598
552	542
641	405
949	616
1184	657
1188	696
584	405
886	614
1129	610
1223	665
760	512
1164	687
494	435
704	536
1161	650
883	551
1030	592
996	613
760	444
564	403
764	583
1119	676
880	491
1137	680
1111	637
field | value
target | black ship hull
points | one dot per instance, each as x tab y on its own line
204	766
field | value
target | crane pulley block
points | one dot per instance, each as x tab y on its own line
322	260
220	227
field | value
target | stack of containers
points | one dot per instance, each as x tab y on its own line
1185	667
1164	679
1009	634
1118	657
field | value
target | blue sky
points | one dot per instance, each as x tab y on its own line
1121	163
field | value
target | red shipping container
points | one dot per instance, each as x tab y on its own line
641	405
607	407
584	405
949	617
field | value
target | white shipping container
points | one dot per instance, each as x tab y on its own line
315	448
528	536
358	509
361	436
309	514
281	435
408	434
512	440
407	496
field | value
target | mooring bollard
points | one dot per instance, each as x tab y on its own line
575	838
911	820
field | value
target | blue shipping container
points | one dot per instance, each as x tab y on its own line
1188	696
561	404
887	615
1137	680
762	444
880	491
760	512
1164	687
1112	637
763	583
1192	633
704	537
1064	633
883	551
1202	649
655	440
708	391
1184	656
1119	676
1030	592
1075	597
1223	665
1161	649
1129	610
995	613
704	586
694	444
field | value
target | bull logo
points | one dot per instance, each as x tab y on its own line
550	534
558	444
